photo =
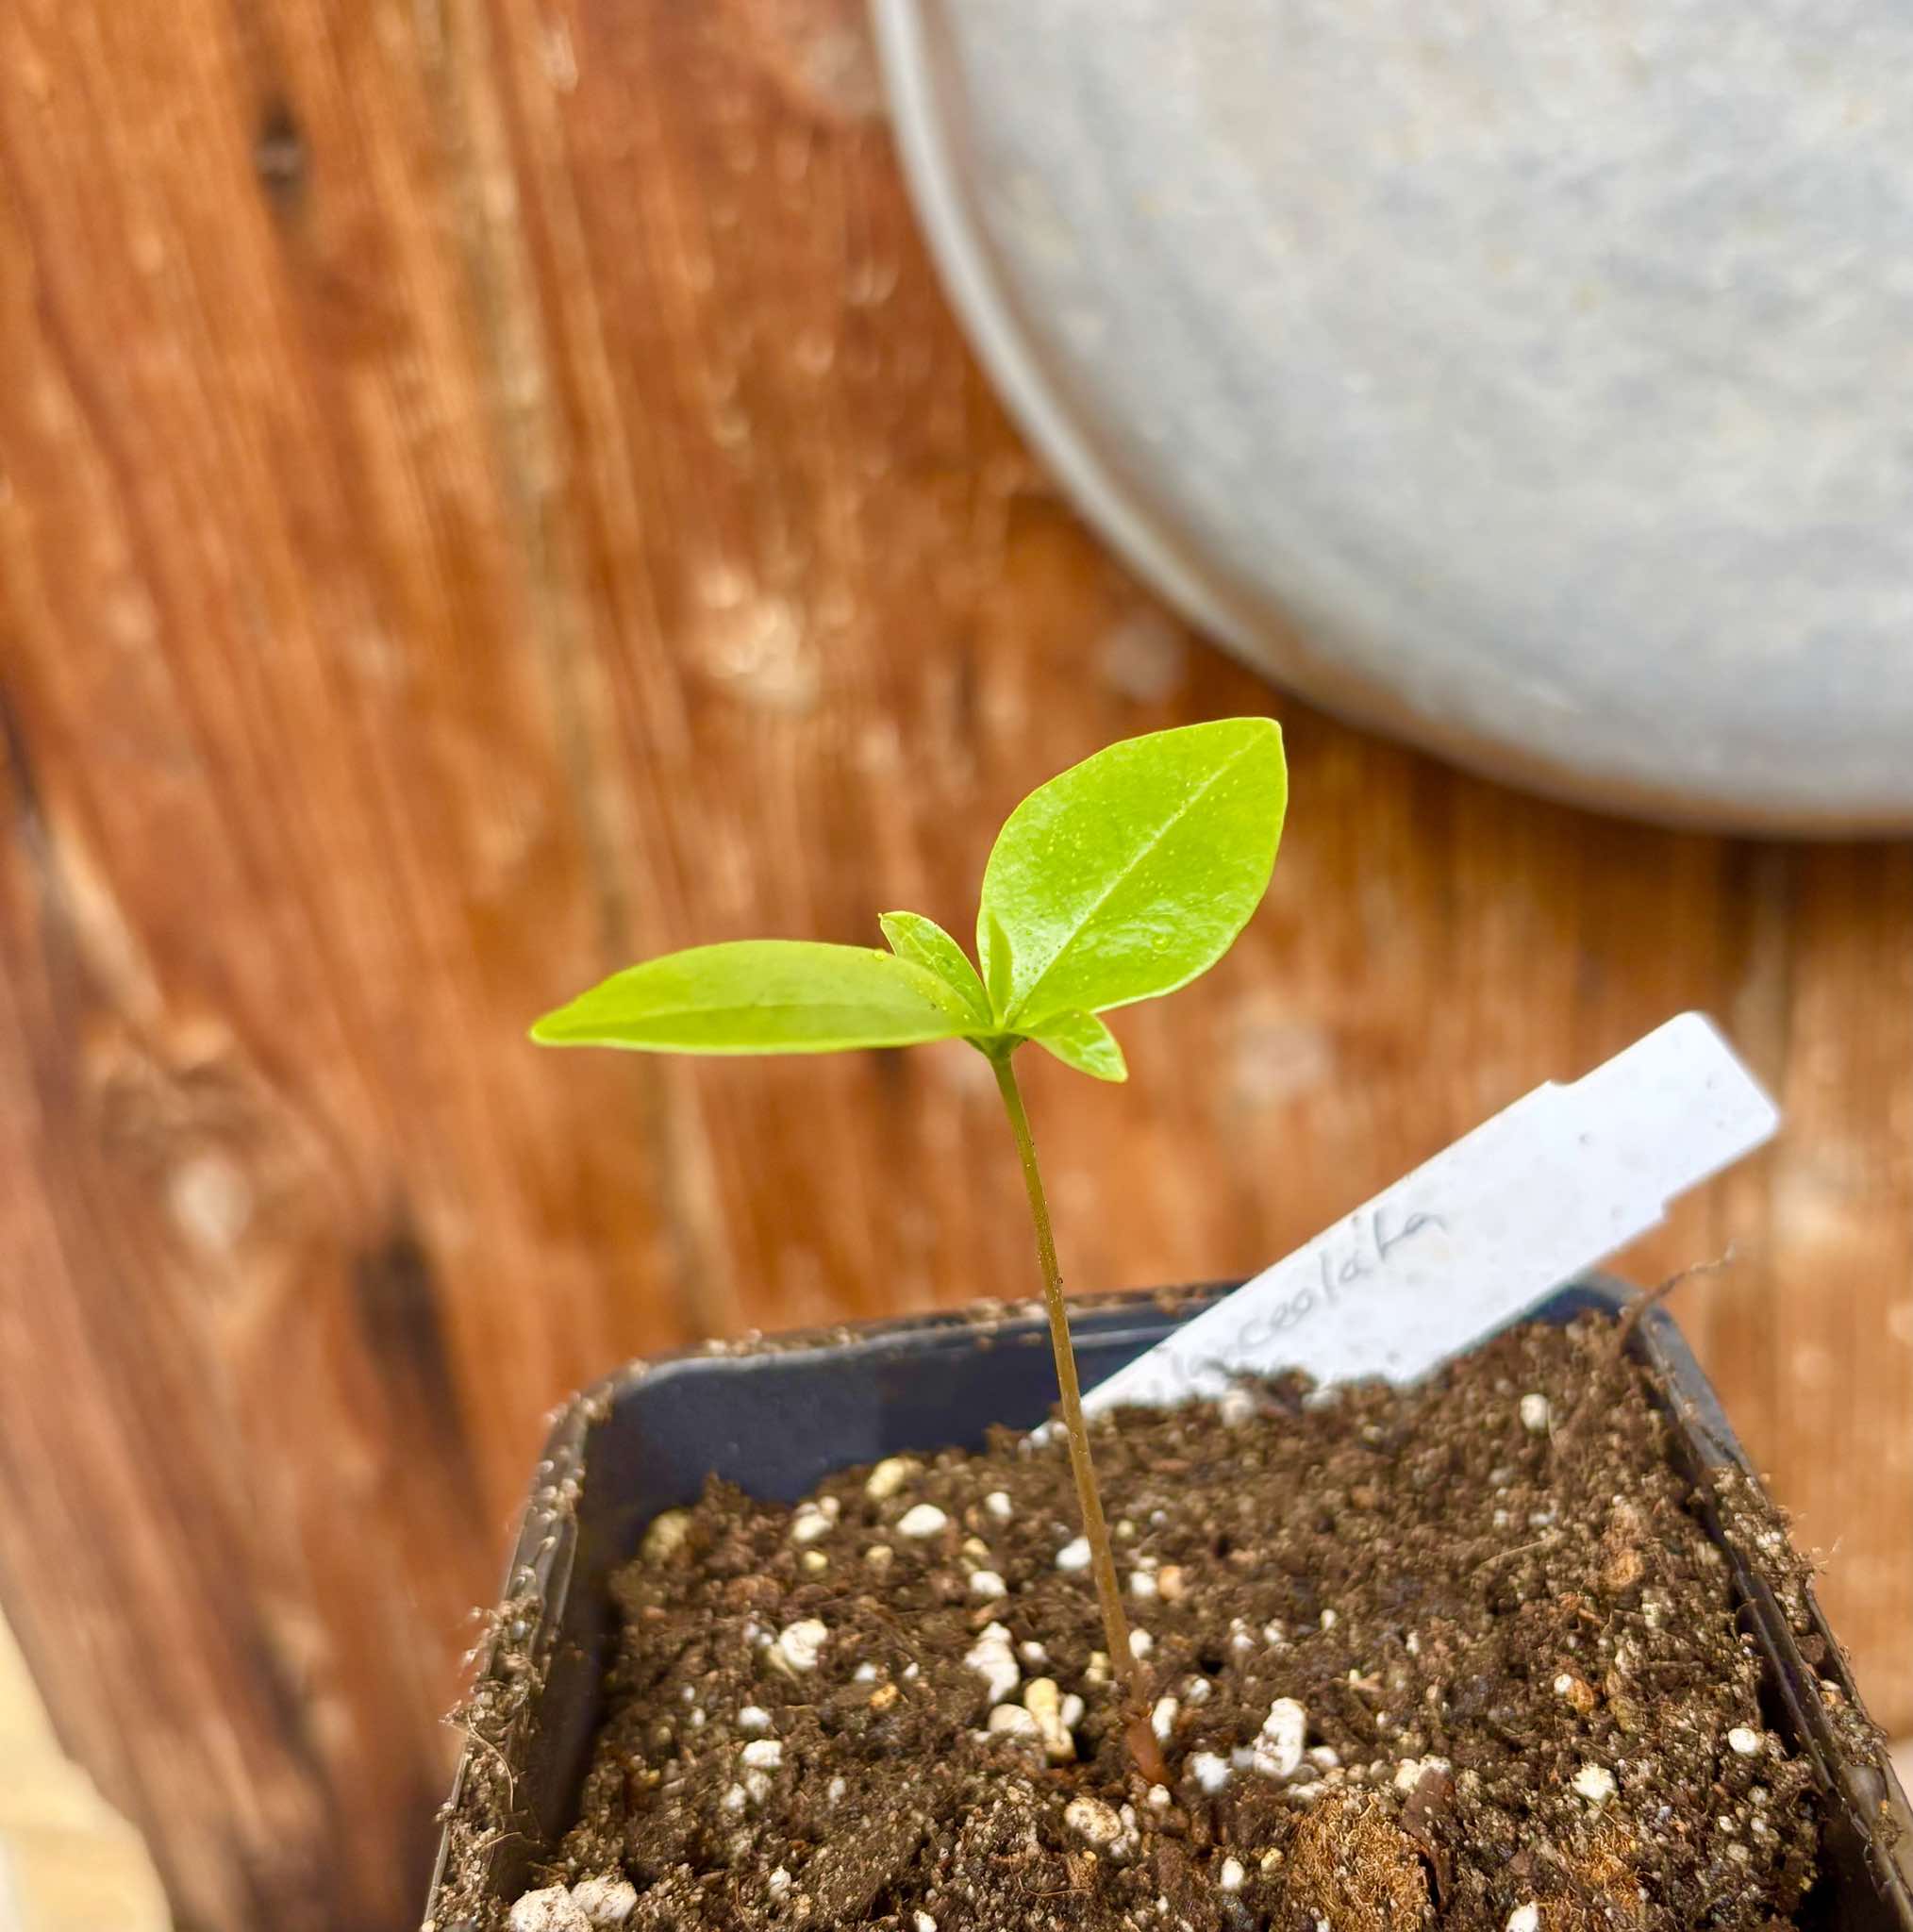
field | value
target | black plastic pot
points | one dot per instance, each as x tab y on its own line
776	1416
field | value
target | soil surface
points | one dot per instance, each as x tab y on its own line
1459	1657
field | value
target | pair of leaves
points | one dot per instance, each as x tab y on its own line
1120	880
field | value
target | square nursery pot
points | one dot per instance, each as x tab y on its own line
776	1416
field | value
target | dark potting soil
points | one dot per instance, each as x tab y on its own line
1460	1657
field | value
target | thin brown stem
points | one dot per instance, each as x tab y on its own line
1625	1324
1123	1659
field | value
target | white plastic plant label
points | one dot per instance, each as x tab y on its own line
1481	1233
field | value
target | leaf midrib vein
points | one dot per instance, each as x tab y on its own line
930	1011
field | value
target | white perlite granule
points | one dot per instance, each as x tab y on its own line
798	1644
993	1660
550	1909
1091	1819
1278	1749
1012	1719
605	1901
888	1476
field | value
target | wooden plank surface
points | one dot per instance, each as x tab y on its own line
490	487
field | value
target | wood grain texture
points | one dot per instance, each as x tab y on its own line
488	488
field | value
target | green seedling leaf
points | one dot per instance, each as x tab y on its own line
926	943
1122	879
992	948
762	997
1081	1041
1131	872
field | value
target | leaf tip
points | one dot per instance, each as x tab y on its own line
555	1028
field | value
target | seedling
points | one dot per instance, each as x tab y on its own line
1120	880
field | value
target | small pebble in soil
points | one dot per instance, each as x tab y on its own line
1595	1783
1074	1555
754	1719
764	1754
1140	1643
987	1583
1526	1917
1232	1877
1537	1413
999	1504
1743	1743
1211	1771
921	1520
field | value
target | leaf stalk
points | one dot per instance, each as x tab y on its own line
1138	1733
